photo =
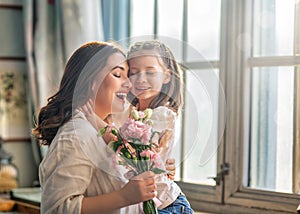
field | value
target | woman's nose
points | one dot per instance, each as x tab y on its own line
127	83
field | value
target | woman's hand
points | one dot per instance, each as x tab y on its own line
140	188
95	120
171	168
90	114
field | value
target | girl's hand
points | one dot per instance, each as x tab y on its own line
171	168
140	188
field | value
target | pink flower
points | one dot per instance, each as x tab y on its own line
119	149
145	153
110	127
141	114
157	165
154	156
132	129
130	149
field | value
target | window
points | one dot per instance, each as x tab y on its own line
262	142
243	151
272	97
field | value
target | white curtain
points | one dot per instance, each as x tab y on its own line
53	30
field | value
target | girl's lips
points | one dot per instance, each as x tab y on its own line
142	88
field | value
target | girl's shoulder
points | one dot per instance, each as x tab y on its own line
163	112
163	118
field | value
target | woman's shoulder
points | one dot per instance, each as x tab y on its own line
77	131
81	126
78	137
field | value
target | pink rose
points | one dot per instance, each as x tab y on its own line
132	129
154	156
141	114
145	153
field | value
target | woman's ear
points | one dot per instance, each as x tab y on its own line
95	87
167	76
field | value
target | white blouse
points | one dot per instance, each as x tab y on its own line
70	169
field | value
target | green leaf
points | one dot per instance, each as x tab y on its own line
157	170
149	207
102	131
114	132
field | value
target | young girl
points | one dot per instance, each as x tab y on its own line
156	84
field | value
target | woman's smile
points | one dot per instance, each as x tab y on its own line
121	96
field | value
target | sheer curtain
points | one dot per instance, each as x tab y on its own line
53	30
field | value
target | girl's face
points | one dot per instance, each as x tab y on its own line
114	88
147	75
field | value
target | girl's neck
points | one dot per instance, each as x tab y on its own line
143	104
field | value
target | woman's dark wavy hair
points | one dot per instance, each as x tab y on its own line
171	93
75	89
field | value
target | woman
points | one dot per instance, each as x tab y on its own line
70	174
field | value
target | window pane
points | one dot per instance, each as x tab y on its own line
170	18
271	150
142	17
273	26
200	130
204	27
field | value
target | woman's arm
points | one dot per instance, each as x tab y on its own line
66	173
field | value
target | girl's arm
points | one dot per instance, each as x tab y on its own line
171	168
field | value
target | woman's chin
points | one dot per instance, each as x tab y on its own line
118	109
118	105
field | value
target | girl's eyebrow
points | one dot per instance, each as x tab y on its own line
151	67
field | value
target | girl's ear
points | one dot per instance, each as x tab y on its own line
167	76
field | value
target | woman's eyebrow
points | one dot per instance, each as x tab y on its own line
147	67
118	66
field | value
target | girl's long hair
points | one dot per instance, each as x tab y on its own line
171	93
81	72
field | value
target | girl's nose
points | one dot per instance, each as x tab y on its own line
141	76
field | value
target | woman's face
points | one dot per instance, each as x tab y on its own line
147	75
113	90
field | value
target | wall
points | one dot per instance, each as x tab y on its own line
14	120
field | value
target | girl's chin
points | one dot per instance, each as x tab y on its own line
147	97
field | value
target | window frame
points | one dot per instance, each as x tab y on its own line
208	194
296	131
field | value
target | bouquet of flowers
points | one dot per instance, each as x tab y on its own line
134	145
